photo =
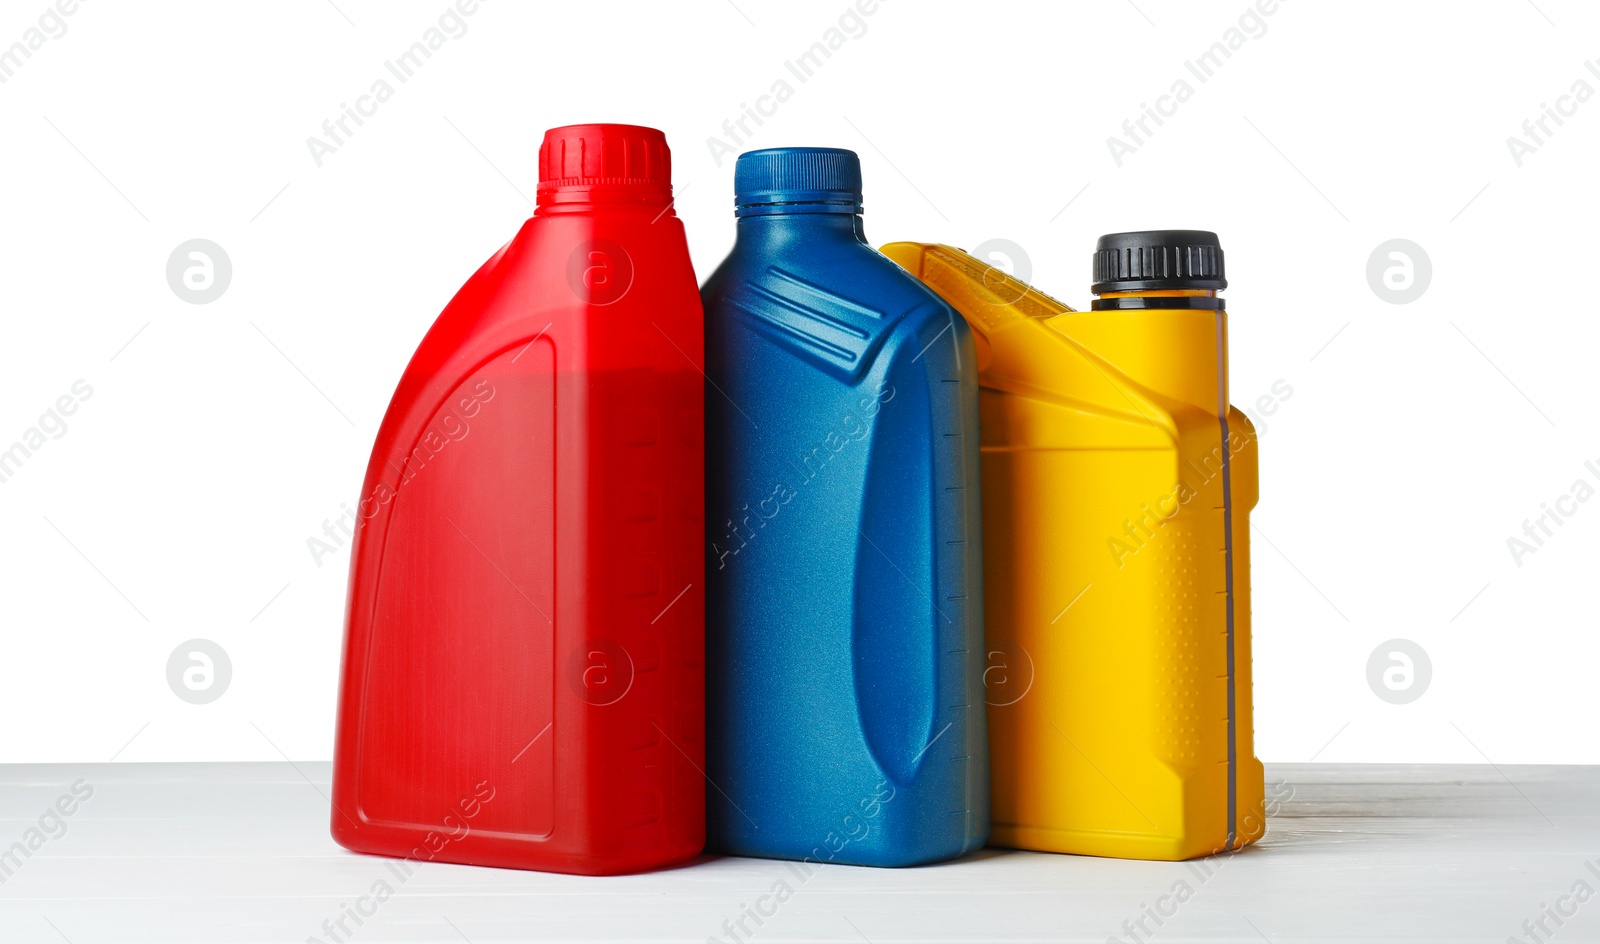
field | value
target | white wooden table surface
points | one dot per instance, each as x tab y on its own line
212	853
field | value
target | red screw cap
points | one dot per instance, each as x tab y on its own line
584	159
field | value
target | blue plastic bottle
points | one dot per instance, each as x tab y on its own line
844	610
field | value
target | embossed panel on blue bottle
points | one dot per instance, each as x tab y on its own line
787	308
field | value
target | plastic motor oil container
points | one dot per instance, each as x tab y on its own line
523	681
1117	487
845	716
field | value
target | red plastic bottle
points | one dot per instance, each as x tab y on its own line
523	681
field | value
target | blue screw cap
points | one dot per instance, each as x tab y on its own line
822	180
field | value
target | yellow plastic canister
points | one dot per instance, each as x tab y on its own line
1117	486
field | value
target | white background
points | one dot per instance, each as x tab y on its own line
1417	439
